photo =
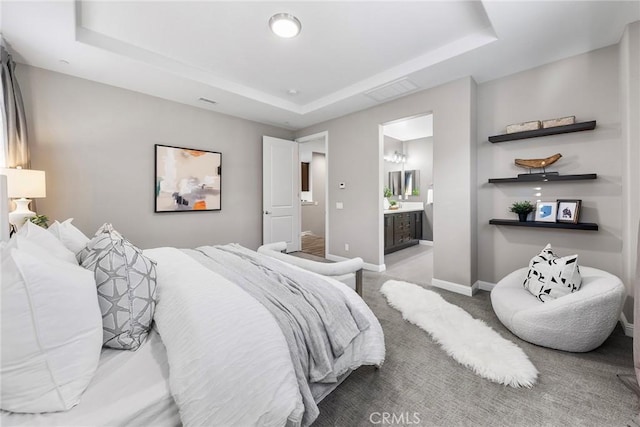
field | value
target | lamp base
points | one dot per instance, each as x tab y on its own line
20	215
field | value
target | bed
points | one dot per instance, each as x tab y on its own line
216	355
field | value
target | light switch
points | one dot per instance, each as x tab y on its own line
342	185
339	205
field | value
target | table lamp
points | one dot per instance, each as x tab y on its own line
23	185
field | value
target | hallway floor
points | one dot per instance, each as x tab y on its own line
413	264
313	245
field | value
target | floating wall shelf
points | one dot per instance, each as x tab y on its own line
576	127
543	178
514	222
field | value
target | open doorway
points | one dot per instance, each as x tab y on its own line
313	157
407	150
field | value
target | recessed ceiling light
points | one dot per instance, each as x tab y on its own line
292	92
285	25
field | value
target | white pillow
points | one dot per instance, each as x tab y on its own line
32	248
72	238
551	276
48	241
51	332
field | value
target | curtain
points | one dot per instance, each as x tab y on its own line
14	124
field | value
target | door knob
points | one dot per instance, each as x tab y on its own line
267	213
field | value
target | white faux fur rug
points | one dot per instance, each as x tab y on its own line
469	341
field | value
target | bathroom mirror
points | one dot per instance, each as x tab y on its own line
411	183
304	176
395	183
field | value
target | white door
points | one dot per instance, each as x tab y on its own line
280	192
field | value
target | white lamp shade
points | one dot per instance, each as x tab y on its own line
27	183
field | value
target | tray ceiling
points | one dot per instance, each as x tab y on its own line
225	52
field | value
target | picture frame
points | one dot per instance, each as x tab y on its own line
546	211
187	179
568	210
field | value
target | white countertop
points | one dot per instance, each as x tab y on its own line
401	210
406	207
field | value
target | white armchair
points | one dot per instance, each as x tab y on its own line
578	322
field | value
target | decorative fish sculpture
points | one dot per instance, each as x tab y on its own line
538	163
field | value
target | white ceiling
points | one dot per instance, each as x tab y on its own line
409	129
224	51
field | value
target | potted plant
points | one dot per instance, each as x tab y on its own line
393	204
40	220
387	193
522	209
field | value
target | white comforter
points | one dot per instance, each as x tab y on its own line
228	361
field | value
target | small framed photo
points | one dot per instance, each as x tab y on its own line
546	211
568	211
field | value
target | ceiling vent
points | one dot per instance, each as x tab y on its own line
392	90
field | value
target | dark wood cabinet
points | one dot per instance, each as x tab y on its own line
388	232
417	225
402	230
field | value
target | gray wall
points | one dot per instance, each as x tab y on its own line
586	86
313	215
96	144
356	159
629	112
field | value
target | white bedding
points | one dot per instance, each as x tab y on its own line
230	363
222	357
129	388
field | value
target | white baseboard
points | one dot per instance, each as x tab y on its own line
628	327
378	268
426	242
485	286
455	287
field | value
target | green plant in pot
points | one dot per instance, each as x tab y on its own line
40	220
387	193
522	209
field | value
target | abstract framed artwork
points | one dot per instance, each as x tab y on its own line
546	211
569	211
187	180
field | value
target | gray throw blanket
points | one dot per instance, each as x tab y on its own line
315	317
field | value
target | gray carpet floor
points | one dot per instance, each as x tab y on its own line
422	386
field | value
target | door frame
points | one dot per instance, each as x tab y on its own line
320	135
381	177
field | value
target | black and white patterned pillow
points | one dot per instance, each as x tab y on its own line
126	281
552	277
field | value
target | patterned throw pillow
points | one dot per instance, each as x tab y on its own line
126	281
551	277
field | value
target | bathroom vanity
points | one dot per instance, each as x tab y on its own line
402	227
